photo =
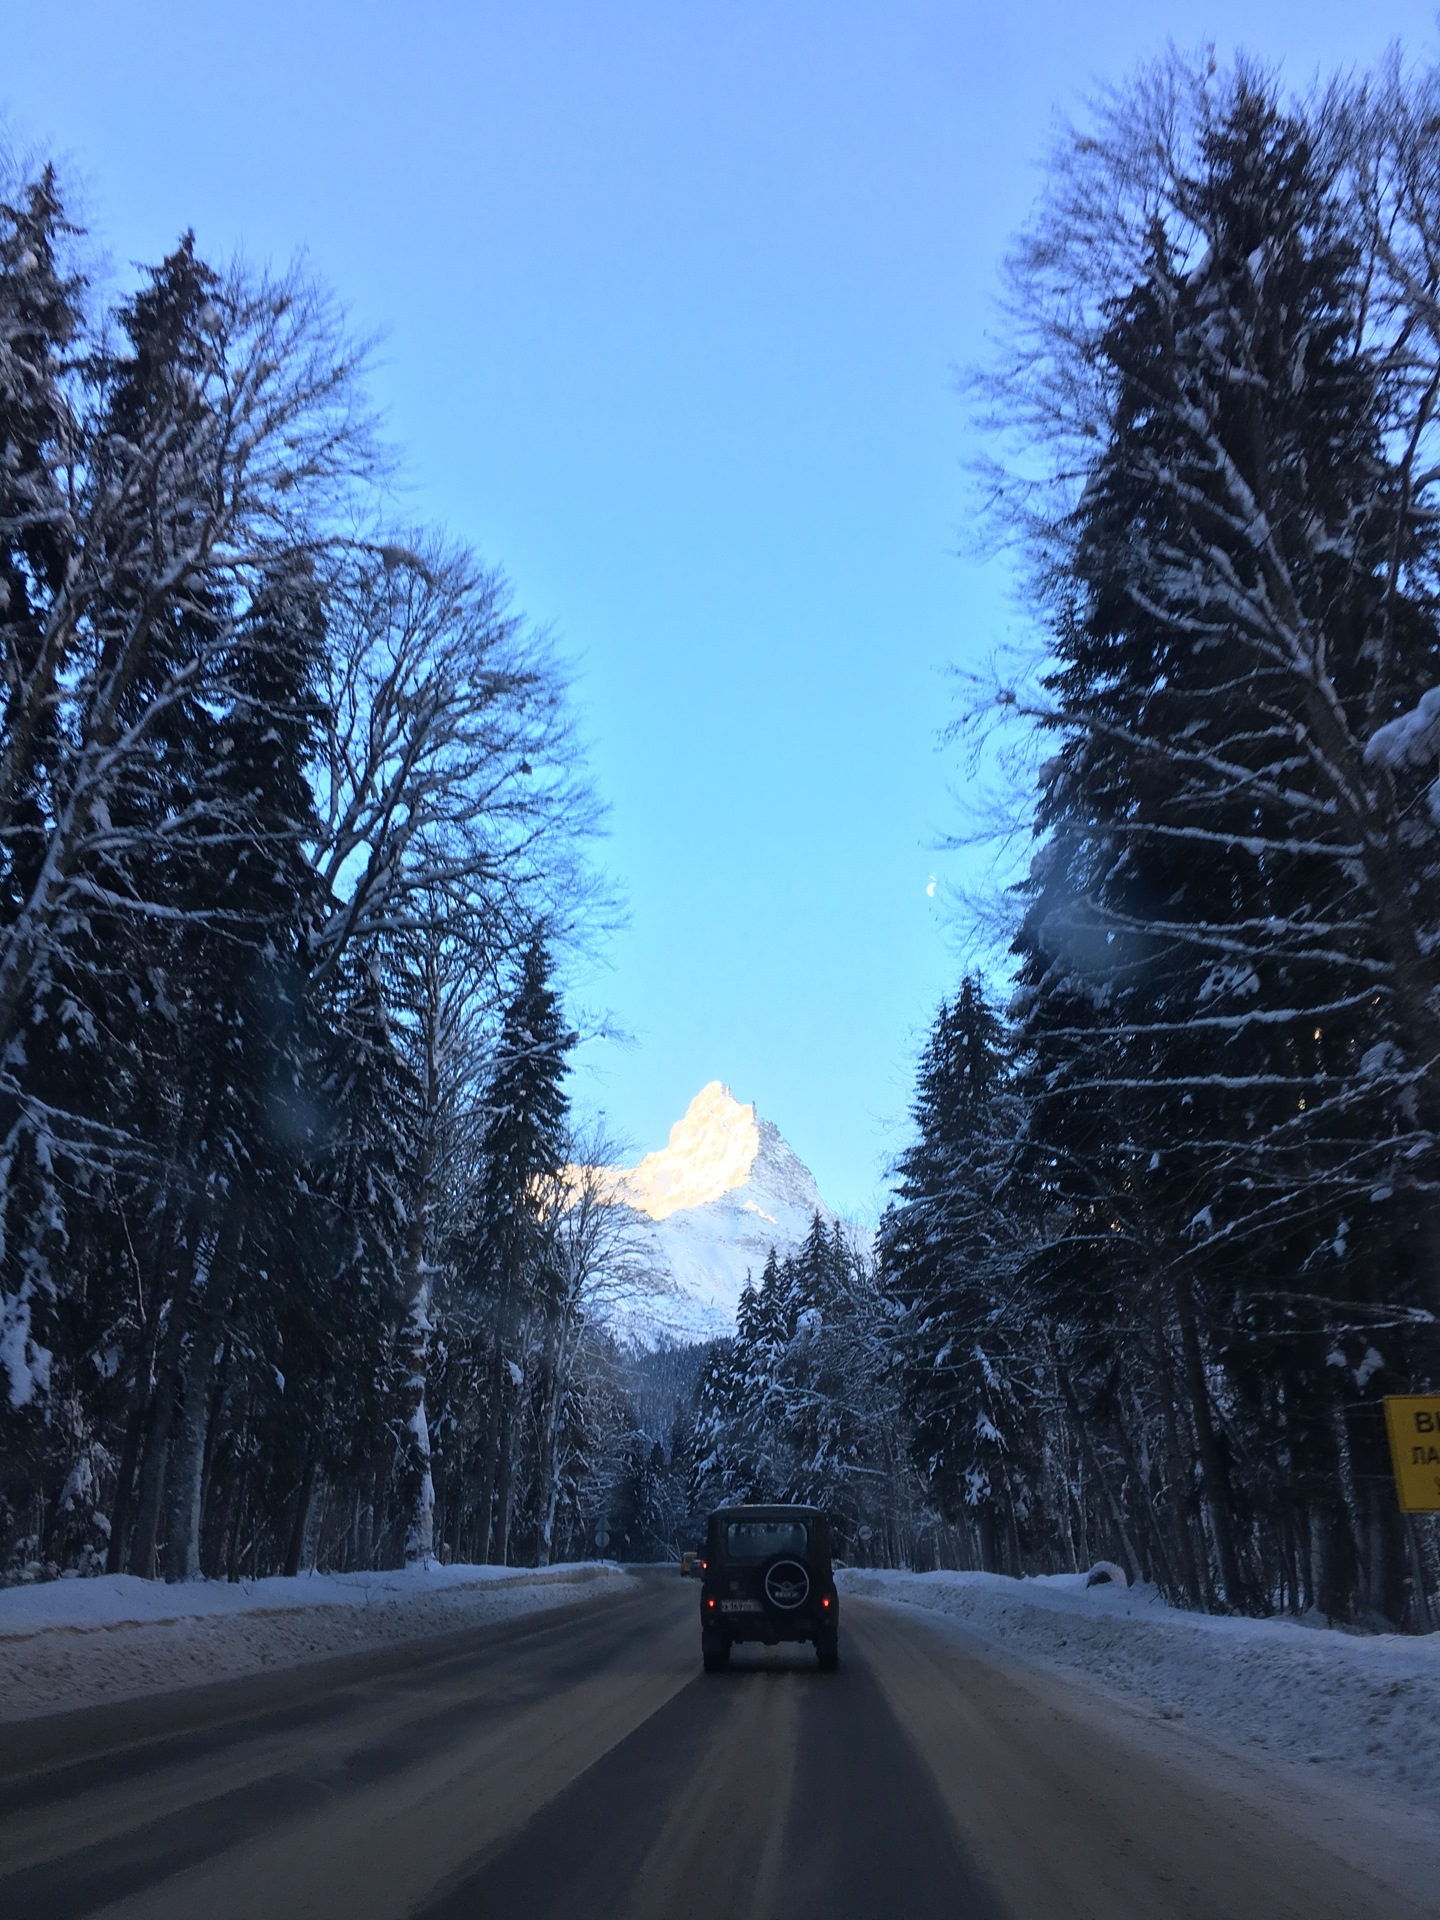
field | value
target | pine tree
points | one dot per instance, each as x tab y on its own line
41	325
253	898
951	1252
41	329
715	1474
522	1149
1218	934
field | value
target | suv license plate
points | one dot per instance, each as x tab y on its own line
740	1606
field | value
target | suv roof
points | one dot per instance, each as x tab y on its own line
777	1509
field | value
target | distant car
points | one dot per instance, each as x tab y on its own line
691	1565
767	1576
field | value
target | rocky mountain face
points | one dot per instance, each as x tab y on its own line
714	1201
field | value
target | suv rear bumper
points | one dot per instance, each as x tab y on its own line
768	1630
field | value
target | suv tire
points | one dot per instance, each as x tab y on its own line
827	1651
714	1651
786	1575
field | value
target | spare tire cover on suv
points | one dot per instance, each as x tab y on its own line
786	1585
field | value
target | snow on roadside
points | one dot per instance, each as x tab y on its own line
73	1643
120	1599
1355	1706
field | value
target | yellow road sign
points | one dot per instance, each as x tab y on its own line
1414	1423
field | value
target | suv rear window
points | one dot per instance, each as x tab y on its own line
758	1539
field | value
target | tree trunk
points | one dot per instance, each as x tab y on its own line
151	1496
187	1457
414	1344
129	1458
1082	1434
1213	1480
142	1393
555	1384
1160	1560
1177	1465
294	1553
420	1533
545	1466
503	1480
1331	1560
490	1456
187	1463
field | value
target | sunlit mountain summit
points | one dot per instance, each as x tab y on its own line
714	1201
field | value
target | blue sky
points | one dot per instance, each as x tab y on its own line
671	298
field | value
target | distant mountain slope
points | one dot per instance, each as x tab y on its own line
714	1201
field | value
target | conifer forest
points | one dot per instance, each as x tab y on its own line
305	1253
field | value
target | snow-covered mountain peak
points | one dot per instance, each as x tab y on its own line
782	1176
725	1190
711	1151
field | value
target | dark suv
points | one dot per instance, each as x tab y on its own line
767	1577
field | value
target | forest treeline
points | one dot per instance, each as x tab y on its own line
301	1258
1170	1232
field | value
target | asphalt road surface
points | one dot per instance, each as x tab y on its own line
580	1764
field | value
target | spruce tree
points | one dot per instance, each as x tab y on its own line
522	1148
45	1326
253	897
950	1253
40	332
1211	948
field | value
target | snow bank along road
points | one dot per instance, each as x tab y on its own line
1364	1709
576	1762
68	1642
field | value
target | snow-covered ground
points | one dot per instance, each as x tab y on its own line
1352	1706
72	1643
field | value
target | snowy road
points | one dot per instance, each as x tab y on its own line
579	1764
